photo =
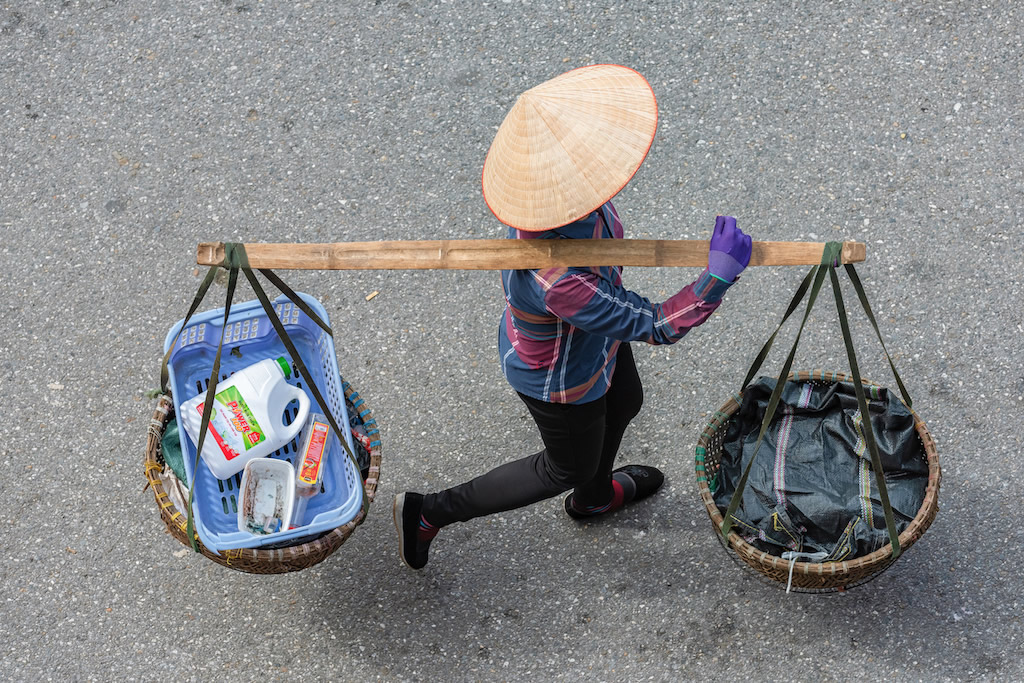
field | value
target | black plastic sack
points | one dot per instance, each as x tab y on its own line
812	488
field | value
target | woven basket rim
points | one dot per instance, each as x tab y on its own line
252	560
856	568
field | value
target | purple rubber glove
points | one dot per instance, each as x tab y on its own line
730	250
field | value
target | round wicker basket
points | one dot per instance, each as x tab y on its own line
169	492
810	576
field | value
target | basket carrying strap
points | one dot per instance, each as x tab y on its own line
869	433
290	293
211	392
818	275
859	288
801	291
814	279
204	287
300	365
235	259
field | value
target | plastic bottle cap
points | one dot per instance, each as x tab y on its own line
285	368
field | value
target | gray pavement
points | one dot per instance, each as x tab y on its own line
130	131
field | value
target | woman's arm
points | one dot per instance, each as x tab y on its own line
595	305
600	307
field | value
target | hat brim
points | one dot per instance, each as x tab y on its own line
569	145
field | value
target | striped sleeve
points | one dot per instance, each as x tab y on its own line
597	306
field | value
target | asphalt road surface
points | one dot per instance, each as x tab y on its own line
131	131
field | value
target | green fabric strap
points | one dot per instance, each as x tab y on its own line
801	291
297	359
204	287
869	435
296	299
829	254
859	288
211	392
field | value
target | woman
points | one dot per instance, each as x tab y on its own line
564	150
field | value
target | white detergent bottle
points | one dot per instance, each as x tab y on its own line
247	420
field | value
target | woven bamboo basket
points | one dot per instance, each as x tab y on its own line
169	494
810	576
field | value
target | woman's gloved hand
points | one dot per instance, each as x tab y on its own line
730	249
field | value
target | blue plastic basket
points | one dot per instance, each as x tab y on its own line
250	338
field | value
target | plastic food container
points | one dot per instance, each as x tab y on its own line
268	496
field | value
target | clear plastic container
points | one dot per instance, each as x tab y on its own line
268	497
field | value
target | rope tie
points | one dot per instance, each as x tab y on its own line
155	427
792	556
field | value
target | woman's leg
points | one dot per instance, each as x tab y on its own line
623	401
580	443
573	436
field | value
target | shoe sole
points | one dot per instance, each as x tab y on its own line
397	510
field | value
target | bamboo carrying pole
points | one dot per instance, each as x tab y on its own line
506	254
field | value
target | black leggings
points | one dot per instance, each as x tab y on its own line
580	443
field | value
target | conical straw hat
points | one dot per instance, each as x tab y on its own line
569	145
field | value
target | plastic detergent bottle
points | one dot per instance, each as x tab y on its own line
247	417
310	465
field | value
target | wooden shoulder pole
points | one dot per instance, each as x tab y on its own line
507	254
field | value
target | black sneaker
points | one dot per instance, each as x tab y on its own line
413	539
637	482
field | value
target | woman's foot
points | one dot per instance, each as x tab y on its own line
629	484
414	532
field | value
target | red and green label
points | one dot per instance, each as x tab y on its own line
232	423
